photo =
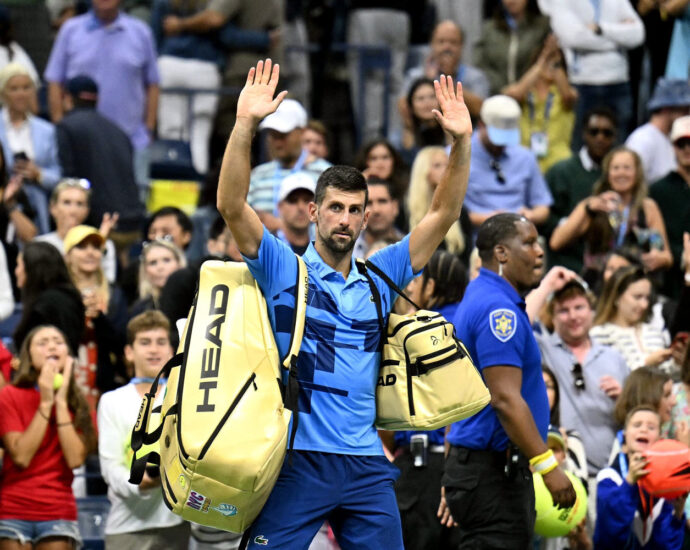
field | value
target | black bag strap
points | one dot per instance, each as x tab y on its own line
386	279
361	267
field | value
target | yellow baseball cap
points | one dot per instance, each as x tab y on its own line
80	233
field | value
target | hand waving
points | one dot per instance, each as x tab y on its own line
256	100
454	117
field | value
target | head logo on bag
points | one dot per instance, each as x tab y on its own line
210	359
389	380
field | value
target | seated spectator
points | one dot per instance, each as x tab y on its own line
622	505
596	40
159	259
504	176
651	141
296	193
315	139
571	180
445	57
138	516
284	140
420	127
672	194
509	41
48	294
99	368
589	375
622	321
547	100
428	167
69	207
46	432
383	210
28	142
93	147
617	213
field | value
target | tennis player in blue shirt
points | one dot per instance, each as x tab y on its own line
338	471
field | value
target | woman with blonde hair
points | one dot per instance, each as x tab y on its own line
617	213
160	258
427	170
46	432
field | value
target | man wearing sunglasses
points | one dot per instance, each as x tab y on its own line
571	180
672	194
589	376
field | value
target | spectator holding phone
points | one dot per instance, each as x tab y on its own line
46	432
138	516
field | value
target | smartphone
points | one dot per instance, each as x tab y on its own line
20	156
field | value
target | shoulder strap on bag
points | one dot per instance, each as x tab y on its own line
361	267
386	279
291	398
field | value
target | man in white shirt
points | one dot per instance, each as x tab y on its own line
670	101
138	516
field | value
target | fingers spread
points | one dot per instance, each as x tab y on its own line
266	75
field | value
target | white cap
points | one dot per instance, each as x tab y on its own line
680	128
298	180
289	116
501	115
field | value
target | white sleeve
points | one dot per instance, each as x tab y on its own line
570	28
6	296
627	30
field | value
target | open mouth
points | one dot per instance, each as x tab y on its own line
642	440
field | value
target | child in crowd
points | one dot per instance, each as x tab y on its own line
46	431
138	516
628	517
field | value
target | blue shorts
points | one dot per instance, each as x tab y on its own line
34	531
354	493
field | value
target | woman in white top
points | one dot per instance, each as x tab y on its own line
622	321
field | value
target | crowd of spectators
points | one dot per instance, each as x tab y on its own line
582	125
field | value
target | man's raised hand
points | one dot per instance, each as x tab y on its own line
454	117
256	100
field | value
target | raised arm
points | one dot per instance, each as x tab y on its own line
446	203
255	102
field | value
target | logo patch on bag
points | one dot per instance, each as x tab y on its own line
198	502
228	510
503	324
261	540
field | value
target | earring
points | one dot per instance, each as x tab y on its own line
500	270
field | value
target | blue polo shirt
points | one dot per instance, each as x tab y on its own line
523	183
338	362
492	323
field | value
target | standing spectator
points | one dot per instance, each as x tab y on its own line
48	295
69	207
617	213
28	142
382	24
383	209
621	321
571	180
509	41
672	194
92	147
678	63
118	53
504	176
46	432
487	480
650	141
596	35
284	139
138	517
547	100
446	57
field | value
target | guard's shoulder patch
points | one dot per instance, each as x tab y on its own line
503	323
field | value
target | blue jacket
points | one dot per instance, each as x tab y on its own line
45	150
620	525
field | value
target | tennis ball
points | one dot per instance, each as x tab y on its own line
57	381
552	522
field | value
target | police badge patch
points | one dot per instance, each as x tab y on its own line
503	324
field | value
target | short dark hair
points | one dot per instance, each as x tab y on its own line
217	228
182	218
602	111
148	320
343	178
496	230
375	180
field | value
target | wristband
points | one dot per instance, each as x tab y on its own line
43	415
61	424
535	460
545	466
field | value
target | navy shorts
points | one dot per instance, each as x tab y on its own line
354	493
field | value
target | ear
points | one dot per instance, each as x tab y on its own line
428	290
129	354
313	209
365	219
397	207
501	253
186	237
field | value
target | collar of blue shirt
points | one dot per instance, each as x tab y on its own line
325	271
493	279
94	22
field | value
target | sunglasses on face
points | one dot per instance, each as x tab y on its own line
496	167
579	378
682	143
594	132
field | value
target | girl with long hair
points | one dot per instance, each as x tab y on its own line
46	431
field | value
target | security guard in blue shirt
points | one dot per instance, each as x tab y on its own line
487	479
337	470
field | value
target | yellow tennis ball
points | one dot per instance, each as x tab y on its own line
57	381
552	522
